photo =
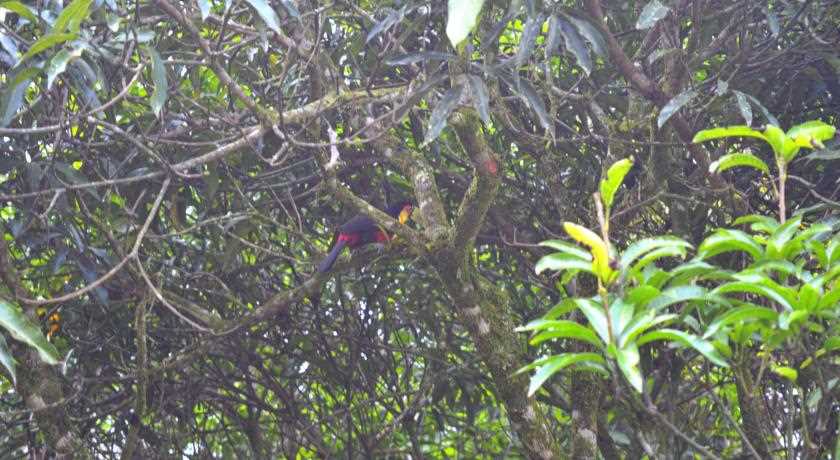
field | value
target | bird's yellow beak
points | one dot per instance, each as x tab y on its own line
405	214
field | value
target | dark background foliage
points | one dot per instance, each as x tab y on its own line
208	342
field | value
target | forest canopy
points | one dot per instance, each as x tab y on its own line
622	239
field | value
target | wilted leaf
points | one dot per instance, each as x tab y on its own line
204	8
290	8
528	40
12	97
744	107
600	253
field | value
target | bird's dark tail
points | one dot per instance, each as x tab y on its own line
328	261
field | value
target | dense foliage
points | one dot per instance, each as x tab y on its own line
172	172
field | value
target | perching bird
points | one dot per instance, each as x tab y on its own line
362	230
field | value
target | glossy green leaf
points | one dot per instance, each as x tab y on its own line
597	319
7	360
560	262
811	134
704	347
556	363
675	295
615	177
786	372
567	248
267	13
23	10
567	330
726	240
71	17
628	361
726	131
746	313
733	160
642	323
462	16
752	288
44	43
24	330
646	245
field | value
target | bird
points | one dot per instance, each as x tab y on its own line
362	230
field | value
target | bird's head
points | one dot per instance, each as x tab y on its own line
401	211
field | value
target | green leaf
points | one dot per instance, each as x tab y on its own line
23	10
597	319
567	330
560	262
159	76
786	372
646	245
44	43
751	287
777	241
704	347
628	361
461	18
23	330
6	359
267	13
615	176
651	14
676	294
71	17
640	324
672	106
811	134
564	306
746	313
727	131
733	160
567	248
726	240
783	146
758	223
